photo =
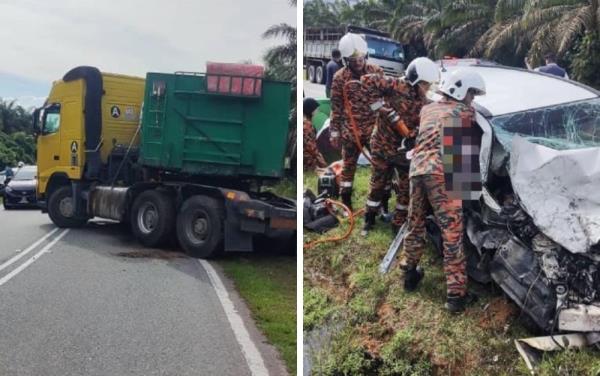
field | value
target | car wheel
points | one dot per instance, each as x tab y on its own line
152	218
200	226
7	206
320	77
61	208
311	73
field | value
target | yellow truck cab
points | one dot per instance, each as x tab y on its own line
87	116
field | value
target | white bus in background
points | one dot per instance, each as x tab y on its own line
318	43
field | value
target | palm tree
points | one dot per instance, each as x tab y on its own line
281	59
320	13
535	27
7	115
411	23
281	65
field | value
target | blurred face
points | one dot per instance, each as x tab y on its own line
469	98
357	64
423	87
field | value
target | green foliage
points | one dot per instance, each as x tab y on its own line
346	357
317	308
16	140
267	283
570	362
281	66
587	60
16	147
505	31
398	357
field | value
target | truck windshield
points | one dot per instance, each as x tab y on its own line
573	125
384	49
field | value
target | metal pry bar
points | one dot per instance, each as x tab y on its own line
390	256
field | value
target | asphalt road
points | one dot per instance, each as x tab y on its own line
92	301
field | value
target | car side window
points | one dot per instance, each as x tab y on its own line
51	119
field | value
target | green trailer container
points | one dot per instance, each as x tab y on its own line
187	129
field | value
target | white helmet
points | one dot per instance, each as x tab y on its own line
460	81
352	45
422	69
20	164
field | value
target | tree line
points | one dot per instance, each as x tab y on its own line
505	31
17	142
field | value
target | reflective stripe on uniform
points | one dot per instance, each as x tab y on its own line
373	204
401	207
346	184
377	105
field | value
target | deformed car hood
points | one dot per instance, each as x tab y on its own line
560	190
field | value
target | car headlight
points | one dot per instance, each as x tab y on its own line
8	189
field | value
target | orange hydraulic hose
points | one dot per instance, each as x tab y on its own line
351	218
353	126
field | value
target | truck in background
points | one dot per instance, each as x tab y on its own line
181	154
318	43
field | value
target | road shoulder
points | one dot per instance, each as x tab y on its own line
271	357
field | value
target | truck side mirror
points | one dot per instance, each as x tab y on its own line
36	122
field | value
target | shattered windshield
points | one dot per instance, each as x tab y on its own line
569	126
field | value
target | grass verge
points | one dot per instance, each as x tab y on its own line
374	327
268	285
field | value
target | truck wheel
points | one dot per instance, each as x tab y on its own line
152	218
320	77
311	73
200	226
61	208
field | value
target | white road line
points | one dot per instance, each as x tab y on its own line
253	357
27	250
21	267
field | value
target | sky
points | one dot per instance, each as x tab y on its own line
41	40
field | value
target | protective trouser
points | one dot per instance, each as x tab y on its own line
449	216
350	154
382	173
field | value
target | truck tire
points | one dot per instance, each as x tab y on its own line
152	218
200	226
60	208
311	73
320	75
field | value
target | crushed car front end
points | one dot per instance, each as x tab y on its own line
536	229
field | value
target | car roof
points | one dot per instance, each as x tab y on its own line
29	167
510	89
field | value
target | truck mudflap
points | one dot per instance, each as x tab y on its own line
261	216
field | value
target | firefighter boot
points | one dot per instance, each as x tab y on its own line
369	222
385	215
412	277
458	303
347	198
